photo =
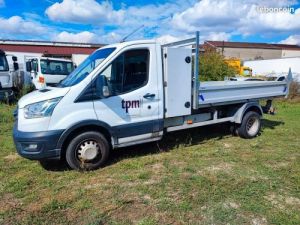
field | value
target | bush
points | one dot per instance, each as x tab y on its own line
212	67
294	90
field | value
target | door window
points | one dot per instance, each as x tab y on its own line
3	63
128	72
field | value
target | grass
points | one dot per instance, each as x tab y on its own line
201	176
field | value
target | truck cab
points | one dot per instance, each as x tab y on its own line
10	80
131	93
48	71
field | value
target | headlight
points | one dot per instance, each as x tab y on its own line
41	109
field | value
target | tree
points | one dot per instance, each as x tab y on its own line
212	66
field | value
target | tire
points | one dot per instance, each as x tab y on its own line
87	151
250	126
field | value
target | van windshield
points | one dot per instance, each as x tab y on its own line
56	67
3	63
86	67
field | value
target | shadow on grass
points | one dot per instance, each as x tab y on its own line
270	124
169	142
172	141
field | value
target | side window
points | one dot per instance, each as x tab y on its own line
35	66
128	72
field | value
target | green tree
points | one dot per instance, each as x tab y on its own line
212	67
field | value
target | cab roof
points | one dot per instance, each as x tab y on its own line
128	43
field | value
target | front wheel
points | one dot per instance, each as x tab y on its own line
250	126
87	151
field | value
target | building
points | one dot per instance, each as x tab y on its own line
252	51
77	52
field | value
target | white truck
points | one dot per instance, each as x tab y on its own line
11	80
45	71
131	93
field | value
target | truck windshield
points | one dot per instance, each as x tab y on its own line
3	63
86	67
56	67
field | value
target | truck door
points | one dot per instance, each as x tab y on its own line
32	67
5	76
132	109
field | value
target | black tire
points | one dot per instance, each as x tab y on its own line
250	126
75	151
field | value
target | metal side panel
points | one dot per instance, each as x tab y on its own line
5	79
178	89
218	92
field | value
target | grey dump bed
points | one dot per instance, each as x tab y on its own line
224	92
178	65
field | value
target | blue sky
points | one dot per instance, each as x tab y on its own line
108	21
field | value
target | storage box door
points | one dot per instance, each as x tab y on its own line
178	78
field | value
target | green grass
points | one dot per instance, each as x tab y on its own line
201	176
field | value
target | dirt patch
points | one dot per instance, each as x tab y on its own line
9	202
231	204
259	221
12	157
281	201
227	145
221	167
292	201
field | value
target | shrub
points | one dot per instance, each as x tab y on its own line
294	90
212	67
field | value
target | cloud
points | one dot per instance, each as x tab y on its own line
164	39
2	3
292	40
84	11
16	25
240	17
213	36
82	37
154	17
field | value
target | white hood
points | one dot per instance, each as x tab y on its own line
42	95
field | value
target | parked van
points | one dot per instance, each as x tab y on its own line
46	71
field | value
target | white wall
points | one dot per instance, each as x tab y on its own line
265	67
290	53
78	58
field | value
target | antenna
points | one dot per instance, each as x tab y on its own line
134	31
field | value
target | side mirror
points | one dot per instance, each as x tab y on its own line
28	66
15	58
16	66
102	89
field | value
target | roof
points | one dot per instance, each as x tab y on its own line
51	48
227	44
55	50
50	43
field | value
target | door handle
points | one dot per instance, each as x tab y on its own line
148	96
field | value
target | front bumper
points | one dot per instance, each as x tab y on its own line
37	145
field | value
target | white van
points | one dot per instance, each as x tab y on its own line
130	93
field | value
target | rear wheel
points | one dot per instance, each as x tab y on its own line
250	126
87	151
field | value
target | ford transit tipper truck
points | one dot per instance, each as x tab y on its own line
131	93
